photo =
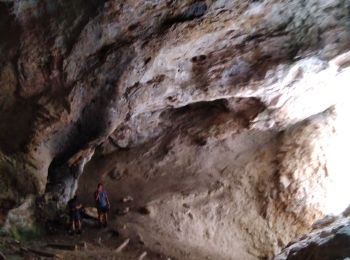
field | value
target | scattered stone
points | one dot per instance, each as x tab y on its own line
143	255
127	199
83	245
122	211
125	210
122	246
99	241
140	239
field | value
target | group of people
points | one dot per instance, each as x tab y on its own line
75	207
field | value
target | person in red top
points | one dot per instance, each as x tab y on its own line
102	204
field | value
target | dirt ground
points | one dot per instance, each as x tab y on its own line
93	243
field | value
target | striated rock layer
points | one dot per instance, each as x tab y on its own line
224	120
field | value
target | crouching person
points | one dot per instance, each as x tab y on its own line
74	206
102	205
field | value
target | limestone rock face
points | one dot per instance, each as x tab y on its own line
223	120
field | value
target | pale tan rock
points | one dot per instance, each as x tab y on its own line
230	107
91	212
127	199
120	248
143	256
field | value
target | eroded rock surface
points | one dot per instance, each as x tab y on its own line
328	242
218	117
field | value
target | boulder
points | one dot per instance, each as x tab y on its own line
22	217
91	212
327	243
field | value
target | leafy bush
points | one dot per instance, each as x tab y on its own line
25	234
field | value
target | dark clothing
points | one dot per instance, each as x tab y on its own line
75	215
102	209
74	211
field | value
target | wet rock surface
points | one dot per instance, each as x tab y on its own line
218	118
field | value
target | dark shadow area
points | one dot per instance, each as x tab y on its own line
196	10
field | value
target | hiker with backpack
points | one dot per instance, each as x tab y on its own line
102	205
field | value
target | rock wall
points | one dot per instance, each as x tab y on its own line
191	199
213	115
328	240
241	195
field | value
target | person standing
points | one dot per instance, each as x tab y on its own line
74	206
102	205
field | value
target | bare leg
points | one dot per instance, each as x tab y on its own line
100	218
78	225
73	225
104	219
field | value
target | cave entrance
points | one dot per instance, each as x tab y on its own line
313	166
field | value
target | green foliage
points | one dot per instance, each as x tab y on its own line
25	234
14	234
2	245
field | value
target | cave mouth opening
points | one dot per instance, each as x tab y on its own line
335	142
